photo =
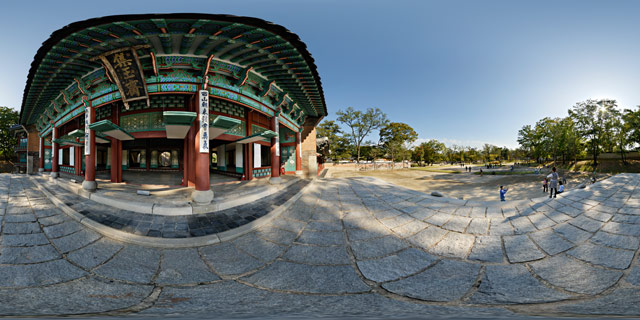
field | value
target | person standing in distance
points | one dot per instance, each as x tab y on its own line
503	191
553	184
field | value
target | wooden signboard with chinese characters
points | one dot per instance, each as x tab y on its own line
126	71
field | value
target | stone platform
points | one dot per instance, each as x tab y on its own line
345	247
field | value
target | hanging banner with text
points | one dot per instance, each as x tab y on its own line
277	130
87	140
126	71
203	110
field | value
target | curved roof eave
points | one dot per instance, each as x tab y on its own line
68	30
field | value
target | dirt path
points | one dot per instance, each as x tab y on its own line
469	186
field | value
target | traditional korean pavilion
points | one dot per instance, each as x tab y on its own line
191	93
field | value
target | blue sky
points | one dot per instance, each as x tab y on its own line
463	72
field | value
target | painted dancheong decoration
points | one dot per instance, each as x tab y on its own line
124	67
183	85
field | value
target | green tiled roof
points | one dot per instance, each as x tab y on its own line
268	49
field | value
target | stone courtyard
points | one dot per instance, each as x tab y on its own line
345	247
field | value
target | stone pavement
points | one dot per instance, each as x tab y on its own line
179	226
346	247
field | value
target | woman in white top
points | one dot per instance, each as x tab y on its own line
553	184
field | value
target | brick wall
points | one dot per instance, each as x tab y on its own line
308	149
34	140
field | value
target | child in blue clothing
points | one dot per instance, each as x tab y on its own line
503	191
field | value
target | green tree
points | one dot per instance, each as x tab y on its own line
8	140
590	119
632	122
429	152
395	136
361	124
339	147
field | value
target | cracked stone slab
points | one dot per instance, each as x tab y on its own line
603	256
24	255
448	280
428	237
512	284
256	247
574	275
26	217
184	266
39	274
227	259
76	240
634	276
57	219
622	228
478	212
378	247
235	300
63	229
558	216
454	245
95	254
438	219
550	241
321	238
397	221
616	240
396	266
21	228
145	261
77	297
277	235
572	233
458	224
410	229
621	302
586	223
288	224
335	255
308	279
521	249
541	221
325	225
500	227
487	249
522	225
478	226
24	240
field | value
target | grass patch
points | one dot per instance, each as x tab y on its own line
504	173
604	166
435	170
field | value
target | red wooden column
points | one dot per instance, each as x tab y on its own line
275	150
298	153
203	193
190	165
54	149
185	161
89	182
116	148
114	160
77	156
41	157
248	149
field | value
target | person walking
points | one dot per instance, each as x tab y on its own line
553	184
545	185
503	191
